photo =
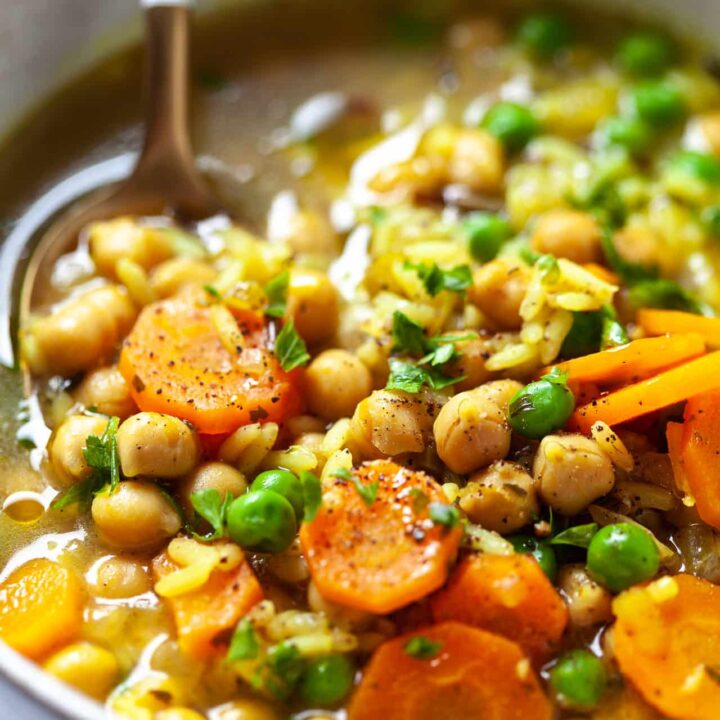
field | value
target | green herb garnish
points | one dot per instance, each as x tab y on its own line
276	292
244	644
422	648
290	348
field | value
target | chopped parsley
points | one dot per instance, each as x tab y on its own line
443	514
213	292
435	280
290	348
422	648
276	292
213	508
244	644
579	535
408	337
368	492
411	378
312	495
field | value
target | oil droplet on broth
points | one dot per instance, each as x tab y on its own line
24	507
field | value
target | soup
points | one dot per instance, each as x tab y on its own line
432	432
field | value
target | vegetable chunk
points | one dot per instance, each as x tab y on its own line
374	544
473	675
176	363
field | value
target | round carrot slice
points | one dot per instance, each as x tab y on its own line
462	672
373	545
509	595
41	606
176	363
667	643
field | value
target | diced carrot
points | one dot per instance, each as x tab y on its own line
204	618
675	434
631	362
475	675
672	386
675	322
667	643
379	556
41	608
176	363
700	453
505	594
602	273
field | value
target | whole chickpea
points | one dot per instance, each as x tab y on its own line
120	577
471	364
589	603
500	392
638	244
478	161
157	445
68	443
310	232
336	382
471	431
212	476
137	515
570	234
312	302
498	290
106	390
88	667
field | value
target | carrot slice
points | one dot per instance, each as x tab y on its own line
633	361
700	454
661	322
475	676
667	642
670	387
380	556
176	363
41	607
505	594
204	616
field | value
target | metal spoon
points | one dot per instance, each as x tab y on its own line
165	177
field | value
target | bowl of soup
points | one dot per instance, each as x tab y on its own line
426	426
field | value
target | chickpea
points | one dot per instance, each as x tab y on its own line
124	238
422	175
471	432
136	515
502	498
709	125
336	382
312	302
570	234
68	443
212	476
478	161
106	390
637	244
500	392
172	275
471	364
571	472
118	577
498	290
589	603
247	709
390	422
310	232
81	334
89	668
157	445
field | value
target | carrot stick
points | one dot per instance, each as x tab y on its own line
700	454
629	363
41	607
203	617
473	674
508	595
667	643
672	322
372	544
670	387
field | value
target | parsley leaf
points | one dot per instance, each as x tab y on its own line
210	506
276	291
613	333
244	644
442	355
282	669
213	292
445	515
312	494
436	280
579	535
368	492
342	473
422	648
290	348
410	378
408	336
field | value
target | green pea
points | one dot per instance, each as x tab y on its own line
630	133
542	551
542	406
622	555
578	679
327	680
702	166
284	483
658	103
645	54
513	124
486	234
262	520
544	34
